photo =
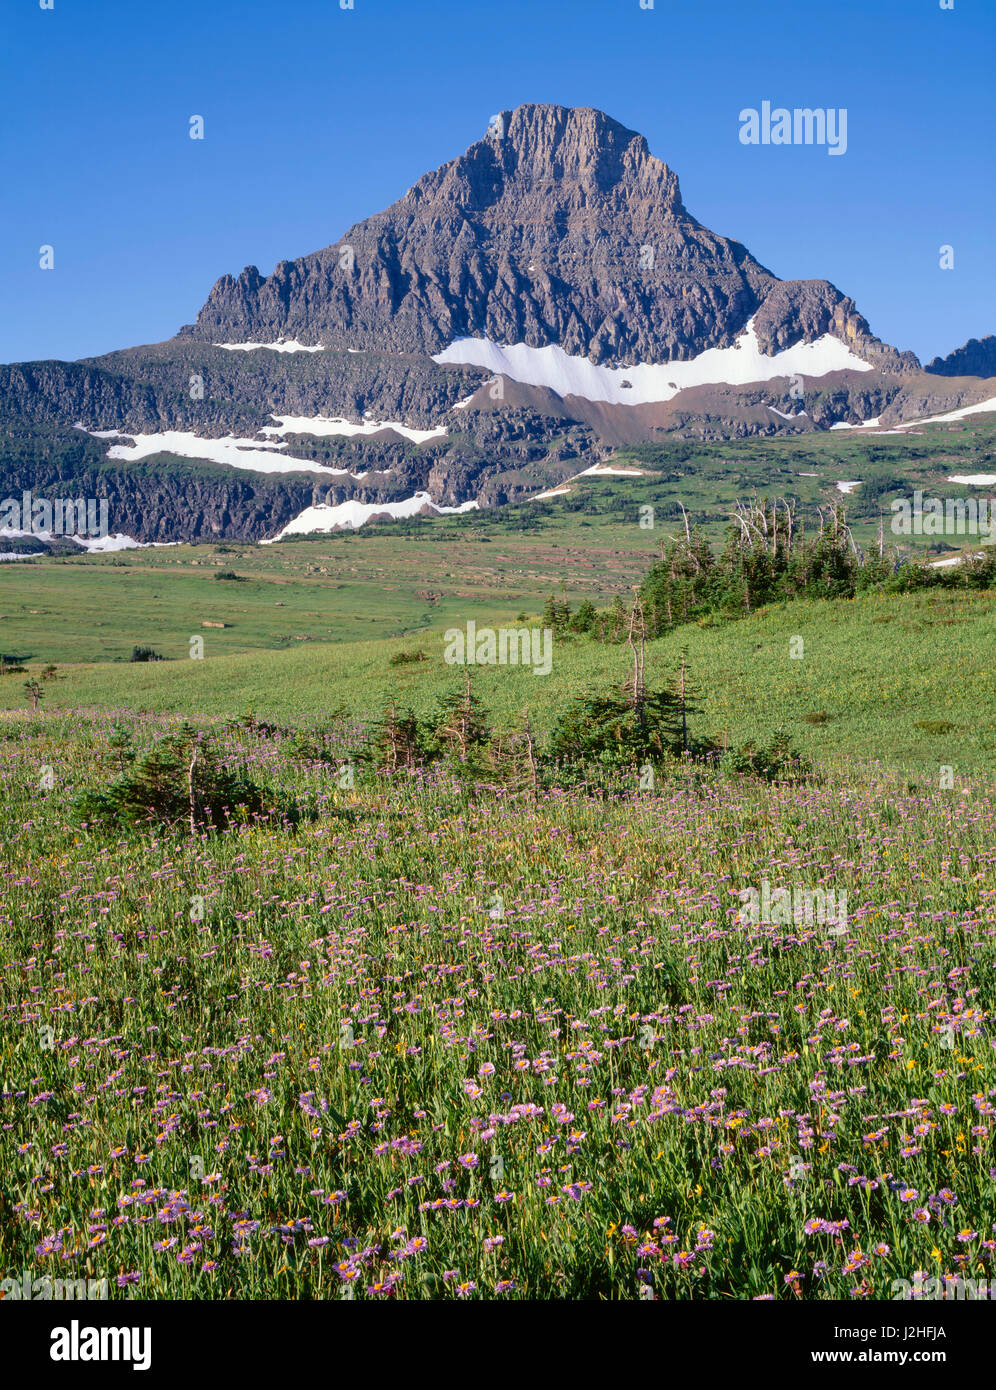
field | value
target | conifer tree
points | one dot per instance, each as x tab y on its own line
396	742
461	726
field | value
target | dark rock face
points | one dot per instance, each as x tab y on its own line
976	358
559	226
148	389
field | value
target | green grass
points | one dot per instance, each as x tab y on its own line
879	668
409	576
344	588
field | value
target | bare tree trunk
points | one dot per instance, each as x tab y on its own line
688	534
190	788
534	781
637	612
684	721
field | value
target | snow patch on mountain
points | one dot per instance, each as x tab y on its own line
648	382
604	470
352	514
324	426
980	408
99	545
258	456
281	345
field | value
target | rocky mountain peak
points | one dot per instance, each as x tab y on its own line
557	226
541	163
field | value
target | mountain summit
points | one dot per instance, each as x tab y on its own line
504	327
557	227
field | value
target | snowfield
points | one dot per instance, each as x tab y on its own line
353	514
324	426
980	408
255	455
604	470
865	424
647	382
281	345
99	545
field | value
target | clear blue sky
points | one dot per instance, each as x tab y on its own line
316	117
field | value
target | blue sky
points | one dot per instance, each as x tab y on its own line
316	117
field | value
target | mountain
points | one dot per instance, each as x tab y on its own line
558	228
976	358
514	317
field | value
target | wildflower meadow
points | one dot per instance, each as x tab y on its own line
427	1042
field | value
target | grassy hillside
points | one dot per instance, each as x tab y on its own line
908	680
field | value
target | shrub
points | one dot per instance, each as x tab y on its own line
612	729
145	654
934	726
776	762
180	781
461	728
397	741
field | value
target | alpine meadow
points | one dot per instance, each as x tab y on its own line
498	715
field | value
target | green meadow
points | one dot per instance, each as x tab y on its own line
434	1041
909	681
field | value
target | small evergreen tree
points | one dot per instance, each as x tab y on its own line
584	619
180	780
462	732
611	730
515	756
557	614
396	742
120	743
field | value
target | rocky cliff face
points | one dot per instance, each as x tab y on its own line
149	389
976	358
558	226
